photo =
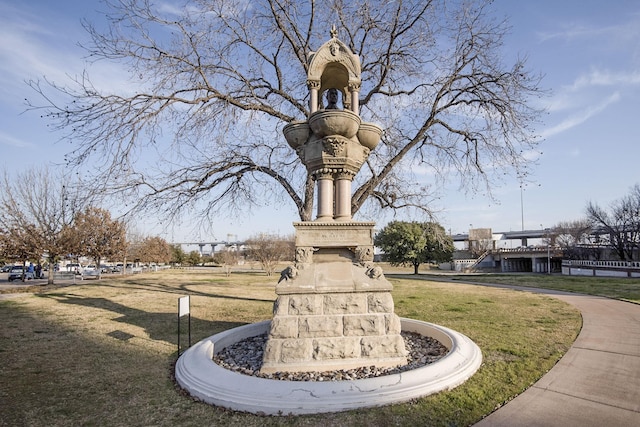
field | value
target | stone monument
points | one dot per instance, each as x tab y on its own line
334	308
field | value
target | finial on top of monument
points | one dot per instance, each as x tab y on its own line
334	32
334	66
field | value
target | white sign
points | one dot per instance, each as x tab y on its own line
183	306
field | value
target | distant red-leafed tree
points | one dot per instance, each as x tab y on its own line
154	250
95	235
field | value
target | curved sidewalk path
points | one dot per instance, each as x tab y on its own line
597	383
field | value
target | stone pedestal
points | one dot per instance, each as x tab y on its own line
334	308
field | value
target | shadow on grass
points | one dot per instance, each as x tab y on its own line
183	289
157	326
54	375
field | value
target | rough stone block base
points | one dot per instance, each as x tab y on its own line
324	332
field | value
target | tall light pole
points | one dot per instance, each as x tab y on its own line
522	205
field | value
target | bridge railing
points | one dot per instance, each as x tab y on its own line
589	263
601	268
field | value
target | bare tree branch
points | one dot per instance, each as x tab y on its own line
197	122
36	208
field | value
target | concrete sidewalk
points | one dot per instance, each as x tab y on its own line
597	383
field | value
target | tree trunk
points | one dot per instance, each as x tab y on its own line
51	271
415	267
306	209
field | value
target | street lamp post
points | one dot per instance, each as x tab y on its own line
522	206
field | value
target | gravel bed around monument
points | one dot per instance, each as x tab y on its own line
245	357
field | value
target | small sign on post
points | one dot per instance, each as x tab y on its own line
184	310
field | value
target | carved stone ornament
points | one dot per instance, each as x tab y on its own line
288	273
304	254
335	146
364	254
374	272
333	32
324	173
313	84
346	174
334	48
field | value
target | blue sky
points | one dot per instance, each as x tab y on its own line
587	50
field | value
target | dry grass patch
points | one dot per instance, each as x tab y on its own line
101	352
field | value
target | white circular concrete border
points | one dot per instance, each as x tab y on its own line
197	373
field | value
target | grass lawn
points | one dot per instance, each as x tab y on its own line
625	289
102	352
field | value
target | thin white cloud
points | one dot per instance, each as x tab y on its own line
575	31
32	46
582	116
6	139
587	86
566	33
33	51
605	78
169	8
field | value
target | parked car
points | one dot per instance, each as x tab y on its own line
7	268
90	273
16	273
76	268
106	268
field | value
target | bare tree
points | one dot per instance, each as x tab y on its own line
36	207
574	238
270	249
228	257
213	84
133	251
620	226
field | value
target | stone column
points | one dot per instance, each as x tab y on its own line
343	196
313	95
325	196
355	97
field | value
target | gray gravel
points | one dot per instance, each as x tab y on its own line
245	357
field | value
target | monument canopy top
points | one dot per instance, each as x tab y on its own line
334	65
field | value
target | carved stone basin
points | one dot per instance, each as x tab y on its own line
369	135
296	133
334	122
